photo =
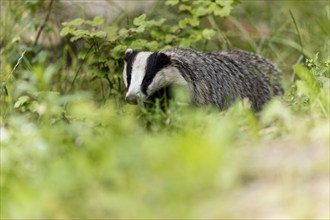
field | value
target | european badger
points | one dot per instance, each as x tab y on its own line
216	78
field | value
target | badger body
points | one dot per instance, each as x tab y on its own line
217	78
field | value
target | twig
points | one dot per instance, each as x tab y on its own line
301	46
80	66
44	23
11	73
16	65
221	37
298	32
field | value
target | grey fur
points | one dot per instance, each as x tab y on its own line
221	77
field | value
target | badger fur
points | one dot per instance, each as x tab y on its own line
217	78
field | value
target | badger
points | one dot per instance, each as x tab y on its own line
212	78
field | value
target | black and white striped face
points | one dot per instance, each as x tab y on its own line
145	73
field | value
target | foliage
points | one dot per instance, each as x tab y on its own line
106	45
313	85
71	148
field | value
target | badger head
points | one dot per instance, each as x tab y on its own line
146	73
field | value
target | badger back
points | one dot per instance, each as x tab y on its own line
220	78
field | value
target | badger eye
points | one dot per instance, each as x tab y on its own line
126	57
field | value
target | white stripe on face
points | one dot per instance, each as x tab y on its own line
167	76
138	73
125	75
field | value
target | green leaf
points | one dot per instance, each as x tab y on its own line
153	45
185	43
169	38
77	34
174	28
224	2
66	30
223	12
82	54
73	39
81	32
118	51
155	34
172	2
139	44
185	8
201	11
227	6
303	88
21	101
139	20
155	23
194	21
99	34
111	33
214	7
75	22
96	21
183	23
208	34
139	29
305	75
123	32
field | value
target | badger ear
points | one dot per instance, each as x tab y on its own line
128	53
163	59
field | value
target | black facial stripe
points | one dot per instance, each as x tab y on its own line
129	58
155	63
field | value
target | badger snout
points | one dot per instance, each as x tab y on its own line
131	99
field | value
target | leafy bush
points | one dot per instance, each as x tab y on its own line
106	45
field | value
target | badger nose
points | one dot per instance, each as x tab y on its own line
131	99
